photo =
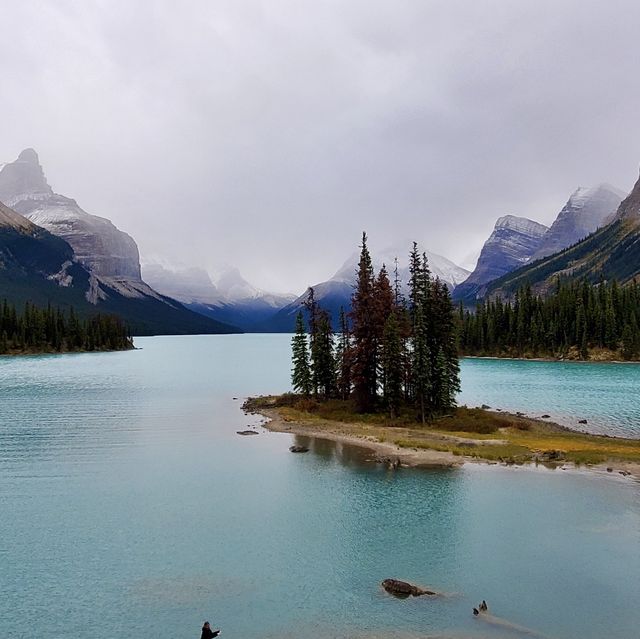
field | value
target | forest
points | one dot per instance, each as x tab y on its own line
577	320
49	330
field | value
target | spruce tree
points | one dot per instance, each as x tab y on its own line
300	373
344	358
392	365
324	366
364	373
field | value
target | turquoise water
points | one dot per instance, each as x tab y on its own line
606	395
128	505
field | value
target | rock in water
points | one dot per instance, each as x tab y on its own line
247	432
298	449
404	589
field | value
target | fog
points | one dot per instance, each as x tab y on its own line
268	135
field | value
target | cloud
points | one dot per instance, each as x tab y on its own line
270	134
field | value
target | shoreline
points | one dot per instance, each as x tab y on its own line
552	359
394	456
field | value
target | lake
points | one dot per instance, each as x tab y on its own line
129	506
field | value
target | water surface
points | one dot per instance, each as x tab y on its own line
128	502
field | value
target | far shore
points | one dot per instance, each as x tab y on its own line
420	447
556	360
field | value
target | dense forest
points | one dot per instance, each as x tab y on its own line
577	320
37	330
391	353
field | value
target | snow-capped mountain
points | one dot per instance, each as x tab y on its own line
101	263
441	267
586	210
511	244
228	297
612	252
98	244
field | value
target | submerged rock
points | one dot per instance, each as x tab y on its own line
298	449
403	589
582	421
247	432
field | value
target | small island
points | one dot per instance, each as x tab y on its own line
389	379
52	330
463	435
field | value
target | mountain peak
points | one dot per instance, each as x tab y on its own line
521	225
29	155
587	209
23	178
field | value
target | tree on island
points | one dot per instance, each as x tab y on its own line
388	357
301	371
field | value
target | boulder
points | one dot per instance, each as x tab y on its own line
404	589
247	432
545	416
582	421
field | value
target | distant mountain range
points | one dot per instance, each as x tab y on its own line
611	252
51	251
230	299
517	241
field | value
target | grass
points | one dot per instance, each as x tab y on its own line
466	432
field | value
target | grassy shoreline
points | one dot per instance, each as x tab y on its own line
467	435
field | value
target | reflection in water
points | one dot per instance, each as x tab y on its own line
346	454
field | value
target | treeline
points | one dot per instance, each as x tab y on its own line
391	353
573	320
37	330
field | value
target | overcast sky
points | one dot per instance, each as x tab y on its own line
270	134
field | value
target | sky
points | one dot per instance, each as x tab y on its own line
269	135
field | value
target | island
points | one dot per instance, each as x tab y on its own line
463	435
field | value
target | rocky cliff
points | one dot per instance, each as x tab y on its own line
105	250
511	244
586	210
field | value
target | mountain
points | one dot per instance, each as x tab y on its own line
586	210
511	244
231	299
611	252
336	292
105	250
43	266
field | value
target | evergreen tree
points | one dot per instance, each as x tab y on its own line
364	370
324	365
301	373
344	357
392	365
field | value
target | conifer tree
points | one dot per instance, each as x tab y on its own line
392	365
323	369
364	370
344	358
301	373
